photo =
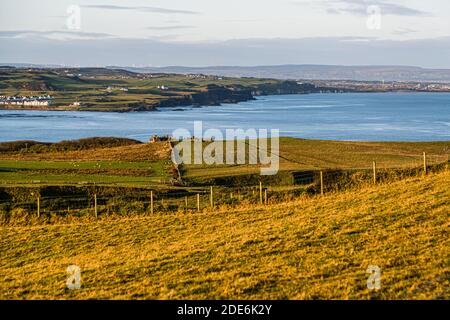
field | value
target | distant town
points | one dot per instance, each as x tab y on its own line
26	100
383	86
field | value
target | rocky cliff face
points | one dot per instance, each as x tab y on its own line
213	96
216	95
285	87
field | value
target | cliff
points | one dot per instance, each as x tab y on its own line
216	95
213	95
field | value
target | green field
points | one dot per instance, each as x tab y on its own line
139	174
296	155
299	155
105	171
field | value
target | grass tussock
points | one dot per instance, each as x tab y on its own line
310	248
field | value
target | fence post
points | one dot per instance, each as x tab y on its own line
186	203
151	202
321	183
198	202
95	205
374	172
265	197
448	161
38	206
425	163
211	198
260	193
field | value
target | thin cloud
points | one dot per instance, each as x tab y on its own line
52	33
403	31
243	20
139	8
175	27
331	50
359	7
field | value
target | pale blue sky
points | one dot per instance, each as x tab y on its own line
202	26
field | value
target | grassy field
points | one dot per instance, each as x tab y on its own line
310	248
298	154
100	172
132	165
148	164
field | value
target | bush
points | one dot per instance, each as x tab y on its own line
131	207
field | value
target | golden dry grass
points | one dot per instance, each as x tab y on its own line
307	249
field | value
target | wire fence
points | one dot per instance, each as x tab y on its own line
95	202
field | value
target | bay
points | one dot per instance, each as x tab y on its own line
402	116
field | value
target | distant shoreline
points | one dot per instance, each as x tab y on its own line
173	104
103	142
117	90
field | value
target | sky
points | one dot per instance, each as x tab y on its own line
231	32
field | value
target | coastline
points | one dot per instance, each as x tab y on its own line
214	95
203	99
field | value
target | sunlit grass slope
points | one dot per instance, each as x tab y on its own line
311	248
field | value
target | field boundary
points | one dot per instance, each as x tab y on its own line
98	200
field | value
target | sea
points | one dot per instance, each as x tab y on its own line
395	116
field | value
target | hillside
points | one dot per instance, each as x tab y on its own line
316	72
300	155
307	249
102	89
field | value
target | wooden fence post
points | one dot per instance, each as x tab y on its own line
186	203
95	205
425	163
265	197
198	202
38	206
151	202
321	183
211	198
260	193
374	172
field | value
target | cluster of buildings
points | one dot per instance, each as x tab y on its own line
202	76
445	87
26	101
381	86
110	89
156	138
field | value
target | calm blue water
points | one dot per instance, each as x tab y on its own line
349	116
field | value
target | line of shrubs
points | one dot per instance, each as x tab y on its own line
67	145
